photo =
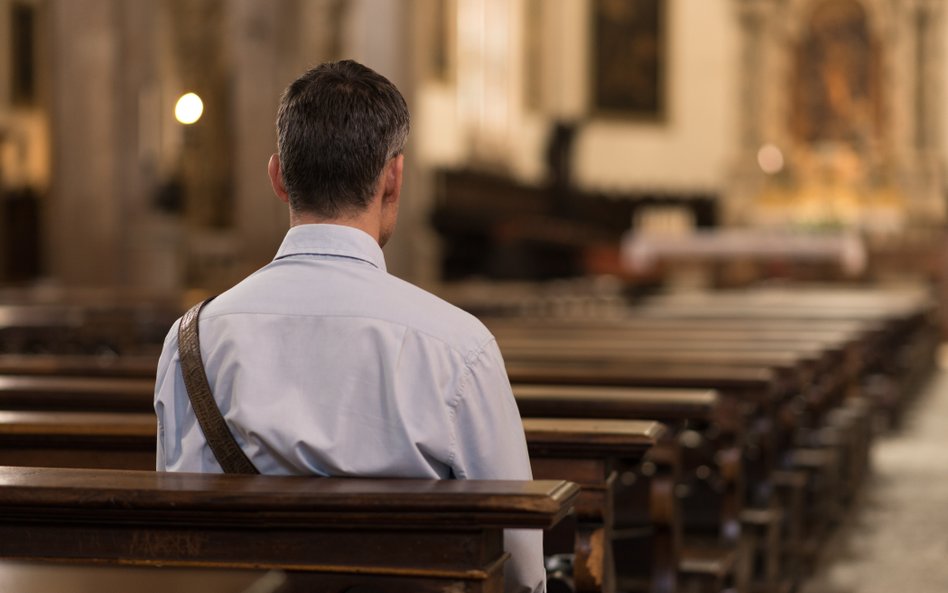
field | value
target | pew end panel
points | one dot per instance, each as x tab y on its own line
592	453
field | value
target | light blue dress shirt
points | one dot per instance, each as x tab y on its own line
323	363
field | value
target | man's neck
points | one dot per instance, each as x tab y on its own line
365	221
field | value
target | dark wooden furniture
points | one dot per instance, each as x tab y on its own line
771	413
593	453
78	439
691	480
585	451
91	394
328	534
80	365
830	359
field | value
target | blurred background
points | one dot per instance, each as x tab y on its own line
650	142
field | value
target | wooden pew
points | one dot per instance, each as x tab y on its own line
773	494
812	374
594	453
78	439
823	369
327	534
590	452
857	337
907	321
749	394
898	338
857	353
122	395
105	395
63	393
836	375
80	365
48	438
108	327
768	334
702	442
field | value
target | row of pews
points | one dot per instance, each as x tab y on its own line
803	381
693	443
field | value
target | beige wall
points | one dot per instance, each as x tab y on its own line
693	148
690	149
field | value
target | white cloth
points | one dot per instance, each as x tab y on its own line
323	363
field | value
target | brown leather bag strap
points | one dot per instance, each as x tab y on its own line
228	453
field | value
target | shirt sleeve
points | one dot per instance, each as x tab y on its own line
165	392
490	445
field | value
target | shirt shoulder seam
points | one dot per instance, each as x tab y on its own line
468	356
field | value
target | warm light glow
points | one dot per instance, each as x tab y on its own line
189	108
770	159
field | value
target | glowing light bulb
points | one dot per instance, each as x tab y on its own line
188	109
770	159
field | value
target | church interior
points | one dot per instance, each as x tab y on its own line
710	237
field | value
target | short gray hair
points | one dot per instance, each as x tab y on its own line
337	126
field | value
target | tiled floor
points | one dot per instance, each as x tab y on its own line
896	540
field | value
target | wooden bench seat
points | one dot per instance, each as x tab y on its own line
98	448
328	534
846	357
755	391
78	439
908	331
76	393
590	452
811	373
703	442
79	365
814	376
595	453
818	359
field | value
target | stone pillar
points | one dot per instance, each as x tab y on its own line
737	207
102	229
929	15
259	33
85	210
149	239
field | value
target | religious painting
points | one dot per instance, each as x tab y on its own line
628	58
836	93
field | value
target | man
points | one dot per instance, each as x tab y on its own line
323	363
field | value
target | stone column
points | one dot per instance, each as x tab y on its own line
737	207
262	41
101	226
929	144
85	210
149	238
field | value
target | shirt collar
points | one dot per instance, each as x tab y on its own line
334	240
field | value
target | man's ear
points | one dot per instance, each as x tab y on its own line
392	187
276	179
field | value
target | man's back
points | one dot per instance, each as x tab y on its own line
323	363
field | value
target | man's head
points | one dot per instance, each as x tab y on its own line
339	128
